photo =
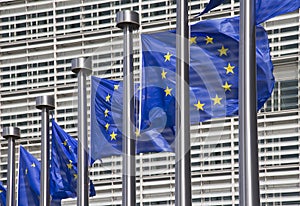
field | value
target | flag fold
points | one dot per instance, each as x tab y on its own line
64	164
29	181
265	9
106	122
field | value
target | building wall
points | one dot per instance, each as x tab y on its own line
38	39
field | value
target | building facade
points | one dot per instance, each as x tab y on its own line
38	39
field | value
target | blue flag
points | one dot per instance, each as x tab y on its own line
29	181
64	164
211	5
214	51
106	122
2	195
265	9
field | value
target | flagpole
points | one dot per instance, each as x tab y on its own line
182	151
248	140
45	103
82	67
11	134
128	21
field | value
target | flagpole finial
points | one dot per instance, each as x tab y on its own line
11	132
128	18
82	63
46	101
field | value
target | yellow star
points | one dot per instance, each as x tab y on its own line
70	165
75	176
107	98
217	100
137	132
209	40
1	191
199	105
116	87
227	86
168	56
113	136
65	143
168	91
106	113
229	69
223	51
163	74
193	40
32	165
107	126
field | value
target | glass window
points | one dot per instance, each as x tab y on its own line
42	14
289	94
5	27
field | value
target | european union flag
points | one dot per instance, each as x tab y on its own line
29	181
106	122
214	51
2	195
265	9
64	164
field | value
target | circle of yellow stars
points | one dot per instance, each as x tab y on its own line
223	51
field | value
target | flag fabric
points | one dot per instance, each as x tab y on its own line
265	9
29	181
2	195
106	122
64	164
214	51
211	5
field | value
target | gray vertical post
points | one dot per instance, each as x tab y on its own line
182	151
128	21
11	134
248	145
45	103
82	66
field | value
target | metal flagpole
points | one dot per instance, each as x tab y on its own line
128	21
248	144
45	103
182	150
11	134
82	67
